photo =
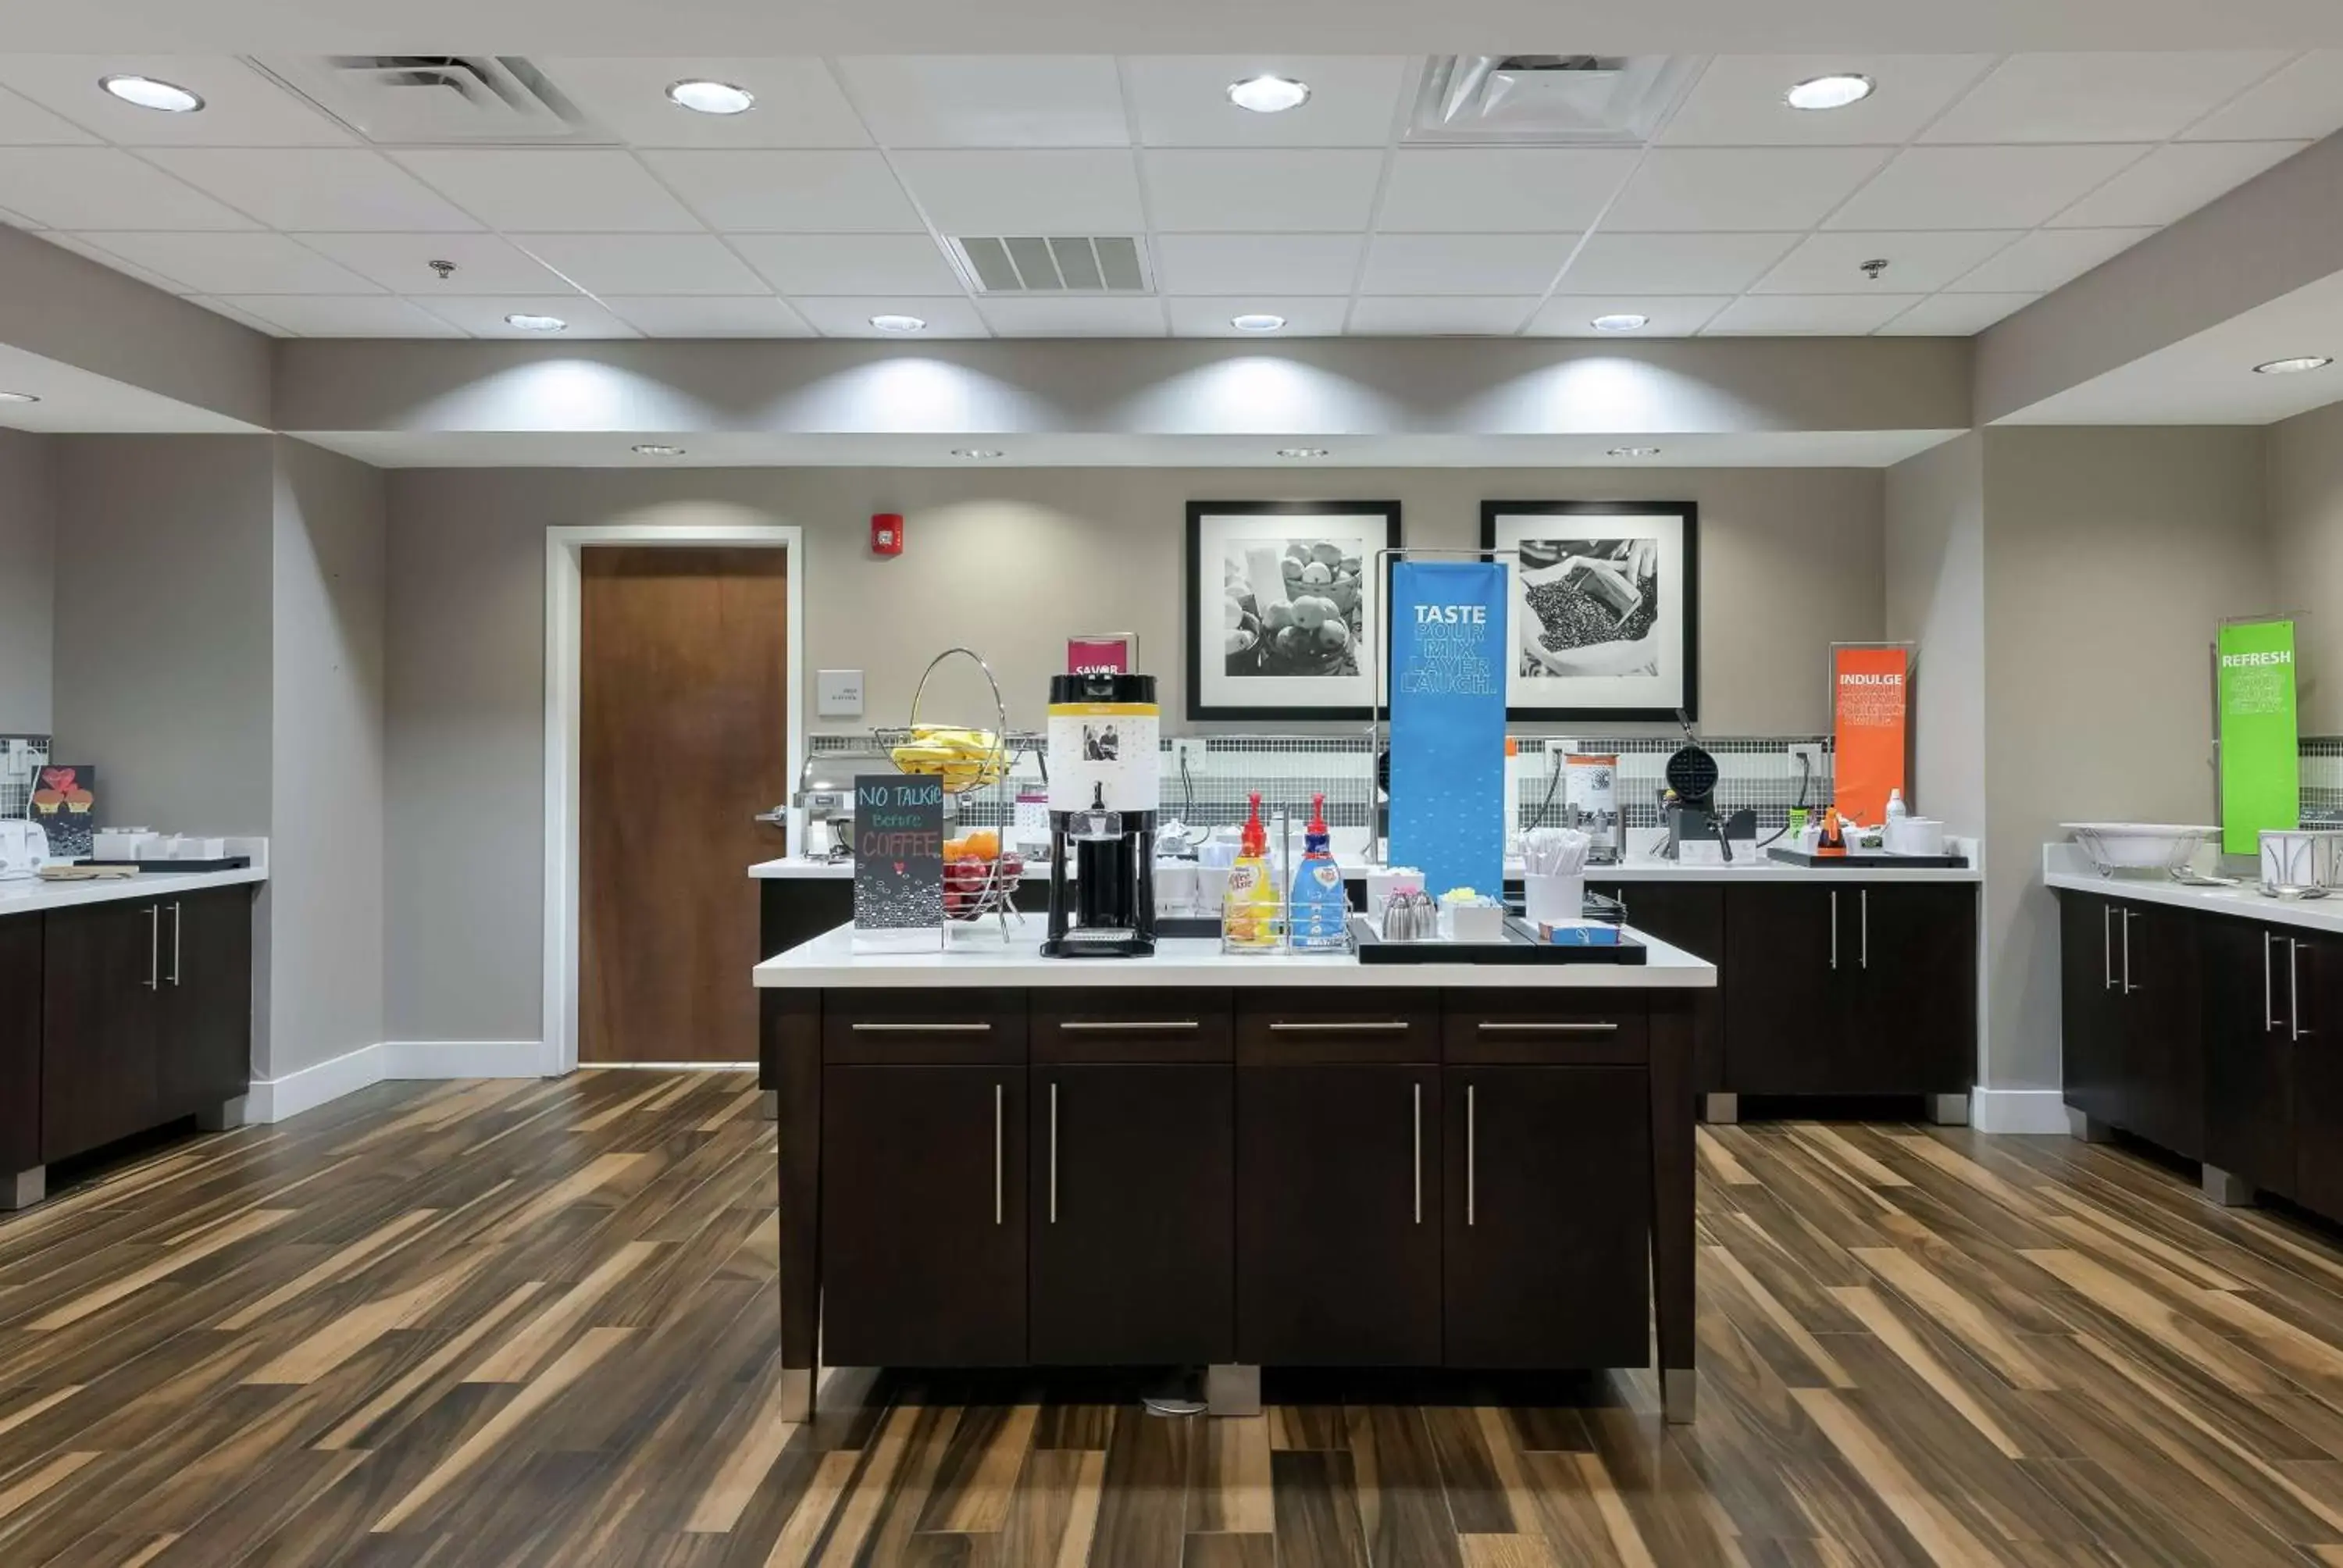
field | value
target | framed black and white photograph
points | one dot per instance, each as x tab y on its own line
1605	608
1285	607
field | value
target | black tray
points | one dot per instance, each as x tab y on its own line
1868	860
179	868
1518	946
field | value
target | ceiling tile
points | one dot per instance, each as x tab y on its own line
748	316
1674	263
1182	100
849	264
1426	264
1955	315
234	264
485	263
1041	192
2099	97
25	124
2047	259
1303	264
988	100
1304	316
101	188
1672	314
1739	187
1918	262
342	315
242	108
105	258
2172	182
1248	191
2302	102
643	262
798	103
1979	188
483	316
1496	190
1742	100
1405	315
1831	315
545	190
850	317
343	190
1074	317
790	193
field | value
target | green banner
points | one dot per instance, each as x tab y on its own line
2261	782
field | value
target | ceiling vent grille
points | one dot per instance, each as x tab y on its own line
1054	264
437	100
1568	100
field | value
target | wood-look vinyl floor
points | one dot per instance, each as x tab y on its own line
535	1323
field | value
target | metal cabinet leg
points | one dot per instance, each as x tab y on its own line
2087	1129
770	1102
1679	1394
796	1393
220	1117
2228	1188
1720	1109
1949	1110
24	1188
1232	1388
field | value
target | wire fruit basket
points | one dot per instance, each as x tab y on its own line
968	763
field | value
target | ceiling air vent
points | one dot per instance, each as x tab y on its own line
437	100
1053	264
1574	100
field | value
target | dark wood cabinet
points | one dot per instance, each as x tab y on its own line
2315	1020
923	1207
203	1035
100	1022
1338	1220
2160	994
1132	1203
1691	916
1535	1207
2246	1059
1791	997
1915	1015
20	1047
2089	1010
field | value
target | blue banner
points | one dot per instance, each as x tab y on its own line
1448	723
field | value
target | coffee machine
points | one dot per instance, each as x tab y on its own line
1105	789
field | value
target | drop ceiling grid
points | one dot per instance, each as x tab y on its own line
684	268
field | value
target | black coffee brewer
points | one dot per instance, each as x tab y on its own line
1105	784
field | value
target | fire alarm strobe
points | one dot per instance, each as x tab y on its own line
886	533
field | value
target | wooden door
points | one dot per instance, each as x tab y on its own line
2091	1048
1791	984
683	733
1915	952
101	967
2164	1025
204	1054
924	1216
1132	1210
1547	1235
2316	1027
2248	1063
20	1043
1338	1216
1689	915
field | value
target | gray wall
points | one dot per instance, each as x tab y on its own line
1791	559
2305	514
27	580
1936	596
325	821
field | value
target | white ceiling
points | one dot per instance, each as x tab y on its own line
1986	180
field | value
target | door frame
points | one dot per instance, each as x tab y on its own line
564	647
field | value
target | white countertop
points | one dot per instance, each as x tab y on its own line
2066	866
974	958
1638	870
30	895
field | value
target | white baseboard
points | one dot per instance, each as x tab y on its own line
277	1098
2017	1110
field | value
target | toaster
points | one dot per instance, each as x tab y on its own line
24	849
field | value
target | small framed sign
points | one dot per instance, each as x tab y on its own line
1103	653
899	862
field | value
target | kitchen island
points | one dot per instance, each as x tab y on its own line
988	1158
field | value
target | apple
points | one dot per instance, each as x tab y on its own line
1280	617
1335	636
1231	611
1317	574
1294	642
1310	614
1326	554
1290	567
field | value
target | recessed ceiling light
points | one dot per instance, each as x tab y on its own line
525	322
1302	451
654	449
1831	92
2293	367
1622	321
898	324
1257	321
1269	95
1632	452
712	98
976	454
18	397
149	94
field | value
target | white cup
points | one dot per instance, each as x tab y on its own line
1175	887
1212	888
1554	901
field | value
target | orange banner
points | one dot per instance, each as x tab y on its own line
1871	691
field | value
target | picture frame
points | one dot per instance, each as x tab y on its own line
1602	609
1258	636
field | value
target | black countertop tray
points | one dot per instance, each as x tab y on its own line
179	868
1870	860
1518	946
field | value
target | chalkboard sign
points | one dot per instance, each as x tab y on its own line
898	854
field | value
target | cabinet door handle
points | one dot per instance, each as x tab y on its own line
177	918
1385	1026
2128	916
1834	927
1131	1026
2107	948
1559	1028
1471	1159
1053	1156
2269	1003
154	947
1419	1154
2294	990
1863	896
920	1028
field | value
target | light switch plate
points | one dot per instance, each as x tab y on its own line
837	694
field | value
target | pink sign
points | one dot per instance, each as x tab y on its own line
1097	656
